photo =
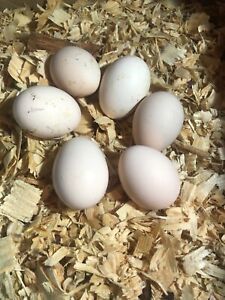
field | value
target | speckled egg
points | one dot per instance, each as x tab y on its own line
76	71
46	112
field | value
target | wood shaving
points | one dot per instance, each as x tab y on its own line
21	203
56	257
114	250
170	54
195	261
7	254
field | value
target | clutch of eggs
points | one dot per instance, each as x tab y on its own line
80	173
46	111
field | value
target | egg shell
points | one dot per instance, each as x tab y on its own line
123	85
75	70
158	120
80	173
148	177
46	111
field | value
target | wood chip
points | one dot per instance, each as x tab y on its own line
21	203
57	256
7	254
196	260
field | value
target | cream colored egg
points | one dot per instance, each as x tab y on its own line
148	177
80	173
46	112
76	71
123	85
158	120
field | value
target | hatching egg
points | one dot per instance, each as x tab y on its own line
158	120
80	173
75	70
148	177
46	111
123	85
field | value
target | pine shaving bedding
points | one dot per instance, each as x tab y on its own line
115	250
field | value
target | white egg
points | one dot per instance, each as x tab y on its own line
158	120
123	85
76	71
80	173
148	177
46	111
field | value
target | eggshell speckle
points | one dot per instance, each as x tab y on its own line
123	85
80	173
46	111
148	177
76	71
158	120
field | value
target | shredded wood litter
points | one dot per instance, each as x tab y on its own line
115	250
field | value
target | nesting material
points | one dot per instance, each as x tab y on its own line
7	254
21	203
115	250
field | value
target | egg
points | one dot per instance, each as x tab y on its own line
80	173
158	120
75	70
46	111
148	177
123	85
